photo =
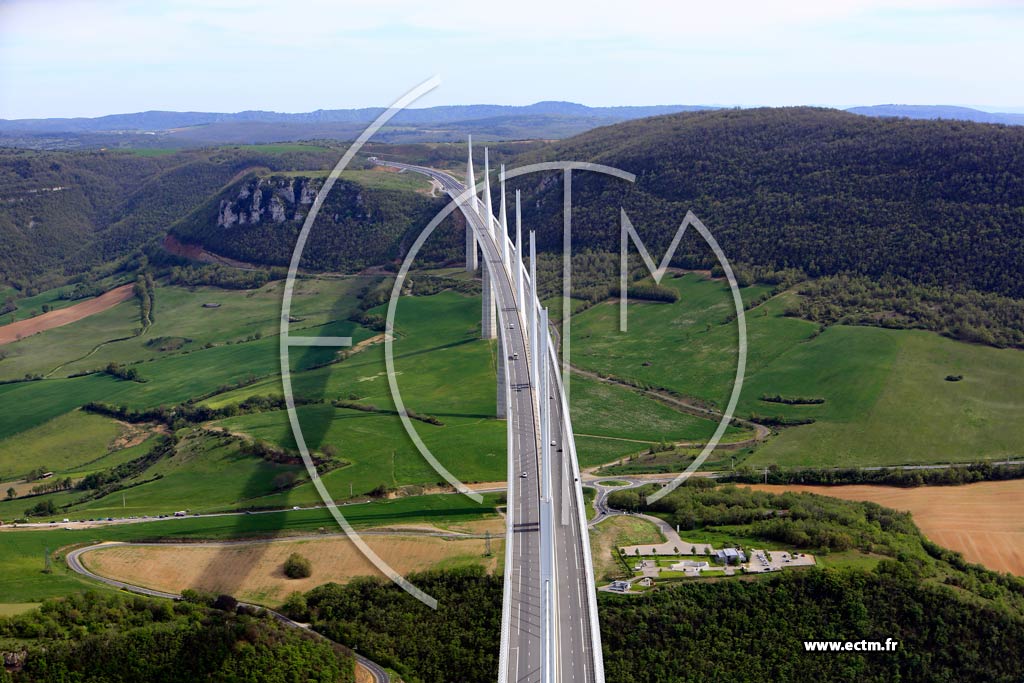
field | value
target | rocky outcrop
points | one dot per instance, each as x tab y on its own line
277	199
14	661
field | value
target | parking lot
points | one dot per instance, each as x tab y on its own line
775	560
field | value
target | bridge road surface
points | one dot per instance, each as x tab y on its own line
575	652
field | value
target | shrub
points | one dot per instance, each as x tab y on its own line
198	597
298	567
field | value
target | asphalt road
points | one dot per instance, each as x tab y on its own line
575	651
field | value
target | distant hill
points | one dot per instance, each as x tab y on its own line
921	111
435	124
826	191
166	120
938	202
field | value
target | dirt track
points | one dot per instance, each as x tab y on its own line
63	316
984	521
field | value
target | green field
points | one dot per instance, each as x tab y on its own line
442	366
443	369
886	398
30	306
599	409
63	444
169	380
181	324
371	178
592	451
47	351
688	346
12	608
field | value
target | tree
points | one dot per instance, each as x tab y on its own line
11	493
298	567
41	509
295	607
226	603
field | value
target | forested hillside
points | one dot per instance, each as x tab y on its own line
116	639
937	202
63	213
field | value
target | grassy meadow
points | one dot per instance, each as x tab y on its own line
886	399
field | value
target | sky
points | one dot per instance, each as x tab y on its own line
89	58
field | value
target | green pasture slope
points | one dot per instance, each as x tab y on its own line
63	444
606	410
169	380
888	402
886	398
687	346
443	370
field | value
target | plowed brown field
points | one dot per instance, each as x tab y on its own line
64	316
255	571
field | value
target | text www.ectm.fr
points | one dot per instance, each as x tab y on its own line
889	645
